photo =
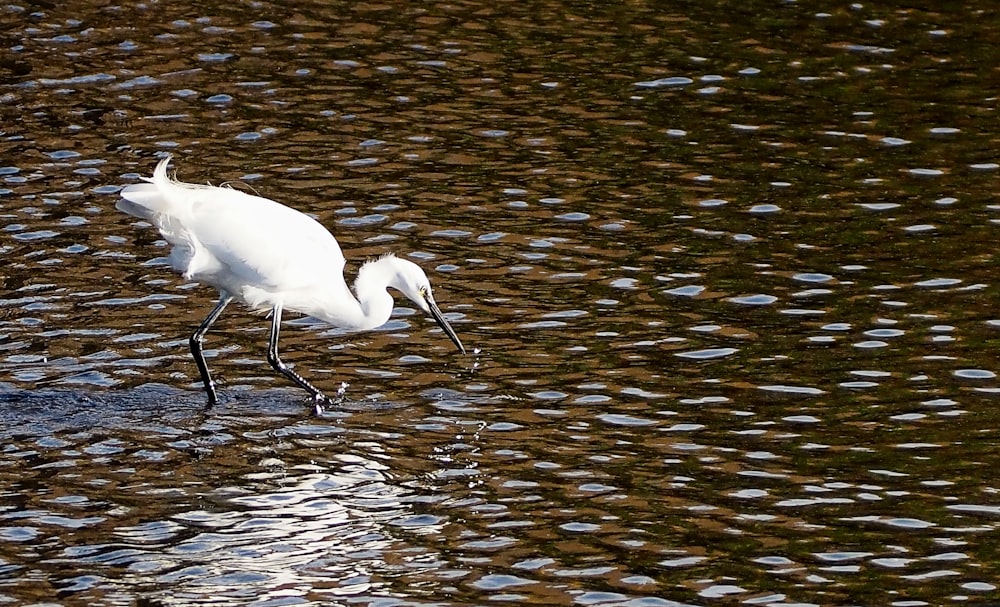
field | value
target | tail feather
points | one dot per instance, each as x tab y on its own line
142	200
147	200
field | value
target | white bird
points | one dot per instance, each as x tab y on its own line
269	256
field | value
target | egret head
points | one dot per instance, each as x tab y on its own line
411	281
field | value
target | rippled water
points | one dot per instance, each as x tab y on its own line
729	271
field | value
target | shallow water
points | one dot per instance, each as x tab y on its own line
728	272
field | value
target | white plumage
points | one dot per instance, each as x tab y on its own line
269	256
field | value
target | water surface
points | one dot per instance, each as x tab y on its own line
728	272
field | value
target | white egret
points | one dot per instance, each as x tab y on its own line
269	256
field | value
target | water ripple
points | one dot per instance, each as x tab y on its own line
754	300
672	81
799	390
750	325
707	354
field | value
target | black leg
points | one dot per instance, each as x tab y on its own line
195	342
280	367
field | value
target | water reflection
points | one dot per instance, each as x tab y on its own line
331	525
730	276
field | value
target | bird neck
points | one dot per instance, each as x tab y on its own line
368	307
374	303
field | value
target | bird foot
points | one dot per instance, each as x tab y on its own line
320	400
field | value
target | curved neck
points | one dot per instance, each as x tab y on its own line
373	305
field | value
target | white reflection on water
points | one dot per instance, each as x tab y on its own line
323	534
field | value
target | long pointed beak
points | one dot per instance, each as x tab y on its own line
439	319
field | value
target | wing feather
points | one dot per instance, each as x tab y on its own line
266	244
232	239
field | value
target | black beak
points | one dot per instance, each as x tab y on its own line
439	319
